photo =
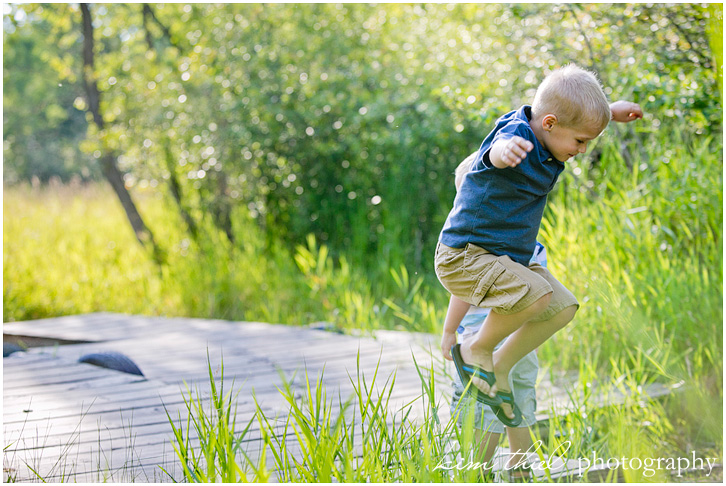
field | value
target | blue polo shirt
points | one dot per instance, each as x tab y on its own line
500	210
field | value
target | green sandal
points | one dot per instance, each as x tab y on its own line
466	371
507	398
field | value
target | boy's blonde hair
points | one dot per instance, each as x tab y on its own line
575	97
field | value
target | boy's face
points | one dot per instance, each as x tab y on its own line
565	142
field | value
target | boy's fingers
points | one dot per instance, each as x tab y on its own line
508	157
518	148
513	155
519	151
523	143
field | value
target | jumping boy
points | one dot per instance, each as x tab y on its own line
523	378
484	250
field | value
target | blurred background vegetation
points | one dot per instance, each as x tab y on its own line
294	164
344	121
320	140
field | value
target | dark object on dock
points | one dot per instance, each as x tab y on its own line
10	348
112	360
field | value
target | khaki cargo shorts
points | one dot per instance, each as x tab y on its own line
483	279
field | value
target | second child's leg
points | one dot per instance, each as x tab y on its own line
488	443
520	441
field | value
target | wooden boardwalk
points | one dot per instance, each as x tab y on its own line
77	422
70	421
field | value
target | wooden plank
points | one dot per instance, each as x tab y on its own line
138	430
142	325
335	368
67	419
126	398
285	360
21	378
23	359
154	407
82	376
107	327
157	364
100	465
180	344
101	386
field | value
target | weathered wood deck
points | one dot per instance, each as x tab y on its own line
71	421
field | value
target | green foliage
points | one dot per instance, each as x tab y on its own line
42	127
344	121
715	39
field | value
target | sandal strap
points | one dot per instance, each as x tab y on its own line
480	373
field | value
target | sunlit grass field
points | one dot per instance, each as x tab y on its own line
642	251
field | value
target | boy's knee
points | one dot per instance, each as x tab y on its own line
567	314
570	312
540	305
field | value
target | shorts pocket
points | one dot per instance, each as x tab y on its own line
508	290
485	282
499	288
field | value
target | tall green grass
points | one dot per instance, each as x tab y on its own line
363	437
366	437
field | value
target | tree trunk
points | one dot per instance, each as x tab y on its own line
176	190
221	204
174	184
222	208
109	164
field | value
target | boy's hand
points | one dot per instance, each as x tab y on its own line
625	111
509	152
448	339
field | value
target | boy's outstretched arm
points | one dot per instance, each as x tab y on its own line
456	312
625	111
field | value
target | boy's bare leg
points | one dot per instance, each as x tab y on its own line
488	442
529	337
479	350
520	441
521	342
454	314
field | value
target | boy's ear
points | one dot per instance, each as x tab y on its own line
549	121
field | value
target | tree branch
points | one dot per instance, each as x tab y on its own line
593	65
149	13
149	39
